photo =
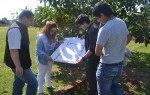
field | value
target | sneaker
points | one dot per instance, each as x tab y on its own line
51	90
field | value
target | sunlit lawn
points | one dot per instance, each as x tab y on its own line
64	74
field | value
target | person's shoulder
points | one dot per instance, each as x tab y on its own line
40	35
14	30
94	27
119	19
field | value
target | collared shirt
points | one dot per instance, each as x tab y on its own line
44	46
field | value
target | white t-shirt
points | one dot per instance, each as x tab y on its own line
14	38
112	36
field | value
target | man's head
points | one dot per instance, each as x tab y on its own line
83	21
26	17
102	11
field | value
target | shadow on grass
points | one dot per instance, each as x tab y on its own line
134	81
69	73
141	60
136	77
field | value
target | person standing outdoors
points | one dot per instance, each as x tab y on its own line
17	54
110	45
90	58
46	44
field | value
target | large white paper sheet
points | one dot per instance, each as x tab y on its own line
69	51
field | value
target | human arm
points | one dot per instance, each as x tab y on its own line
40	52
14	41
87	54
102	38
92	37
129	38
15	57
98	50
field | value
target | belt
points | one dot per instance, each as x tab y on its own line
113	64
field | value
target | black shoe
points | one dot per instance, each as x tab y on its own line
51	87
51	90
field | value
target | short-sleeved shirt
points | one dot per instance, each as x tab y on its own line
14	38
112	36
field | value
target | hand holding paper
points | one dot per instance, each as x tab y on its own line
69	51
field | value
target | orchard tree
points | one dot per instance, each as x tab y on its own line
136	14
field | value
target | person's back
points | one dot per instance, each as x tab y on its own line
114	48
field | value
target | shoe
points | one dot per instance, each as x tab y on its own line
50	90
42	94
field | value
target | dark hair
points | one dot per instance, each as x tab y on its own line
26	13
47	29
82	18
102	7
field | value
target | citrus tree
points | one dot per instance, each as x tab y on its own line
64	12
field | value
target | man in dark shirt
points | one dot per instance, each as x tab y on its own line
90	58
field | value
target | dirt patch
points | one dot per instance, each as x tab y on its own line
132	73
133	80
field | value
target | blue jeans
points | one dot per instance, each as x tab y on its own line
116	90
107	76
19	82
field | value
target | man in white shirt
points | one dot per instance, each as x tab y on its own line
17	54
110	45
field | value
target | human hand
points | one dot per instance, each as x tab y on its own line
82	37
19	71
80	61
61	41
48	58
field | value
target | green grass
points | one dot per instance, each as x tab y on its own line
131	85
65	74
141	56
62	74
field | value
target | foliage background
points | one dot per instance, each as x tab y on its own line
136	14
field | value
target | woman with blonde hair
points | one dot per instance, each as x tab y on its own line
46	44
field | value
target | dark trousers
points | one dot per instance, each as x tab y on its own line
91	68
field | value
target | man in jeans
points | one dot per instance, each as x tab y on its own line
90	58
110	45
17	54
